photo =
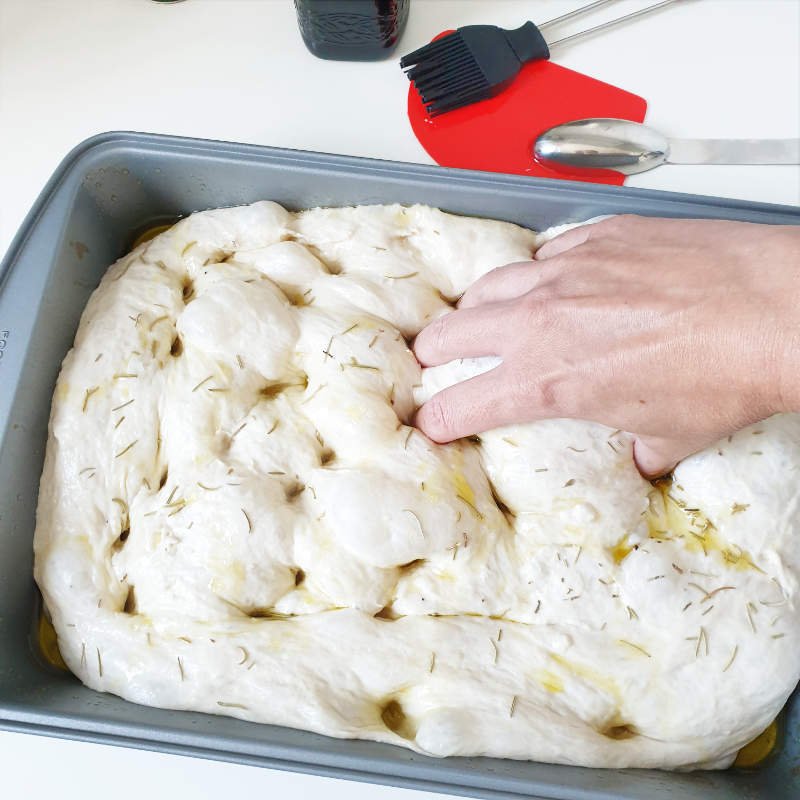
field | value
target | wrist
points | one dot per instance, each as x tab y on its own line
788	372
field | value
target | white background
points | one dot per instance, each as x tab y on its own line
237	70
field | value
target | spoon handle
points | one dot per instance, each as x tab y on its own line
630	147
734	151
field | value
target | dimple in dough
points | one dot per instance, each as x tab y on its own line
236	518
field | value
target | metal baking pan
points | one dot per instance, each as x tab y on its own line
110	188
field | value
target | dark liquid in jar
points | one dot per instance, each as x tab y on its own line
351	30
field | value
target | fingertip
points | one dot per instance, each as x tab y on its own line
428	341
473	297
475	294
653	463
563	242
466	300
423	349
468	333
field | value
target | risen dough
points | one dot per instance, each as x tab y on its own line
235	518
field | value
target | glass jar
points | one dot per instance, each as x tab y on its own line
351	30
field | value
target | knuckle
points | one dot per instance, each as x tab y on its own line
543	394
550	295
540	309
436	418
548	396
438	334
532	301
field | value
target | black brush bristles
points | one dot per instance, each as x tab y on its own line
471	64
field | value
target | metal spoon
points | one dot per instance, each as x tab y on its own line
630	147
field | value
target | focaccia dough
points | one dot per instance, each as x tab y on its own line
236	518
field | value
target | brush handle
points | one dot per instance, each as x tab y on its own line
528	43
576	13
597	28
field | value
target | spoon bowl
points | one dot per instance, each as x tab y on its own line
616	144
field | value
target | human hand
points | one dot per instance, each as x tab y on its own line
677	331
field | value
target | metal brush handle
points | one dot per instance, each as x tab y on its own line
597	28
576	13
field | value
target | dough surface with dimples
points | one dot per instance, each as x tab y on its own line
236	518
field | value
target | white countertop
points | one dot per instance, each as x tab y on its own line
237	70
